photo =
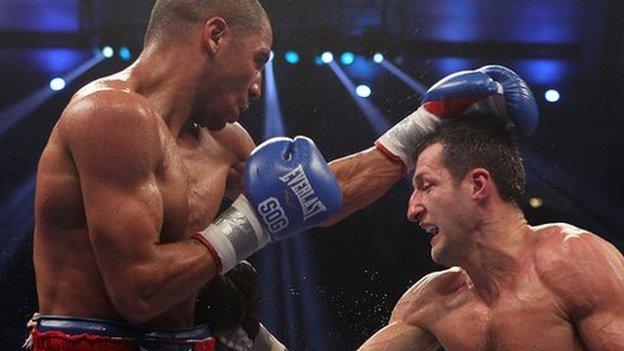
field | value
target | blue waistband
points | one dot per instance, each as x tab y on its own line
101	327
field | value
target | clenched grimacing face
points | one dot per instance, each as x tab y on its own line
441	205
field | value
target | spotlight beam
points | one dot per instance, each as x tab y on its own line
284	264
412	83
273	120
375	118
21	109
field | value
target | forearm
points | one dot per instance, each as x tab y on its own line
363	178
174	273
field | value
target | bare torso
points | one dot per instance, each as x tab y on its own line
191	177
525	315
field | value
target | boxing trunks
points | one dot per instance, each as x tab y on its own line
55	333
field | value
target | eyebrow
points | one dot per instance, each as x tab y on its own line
417	178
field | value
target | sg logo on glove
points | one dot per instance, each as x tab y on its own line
273	215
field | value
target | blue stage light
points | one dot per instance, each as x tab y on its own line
327	57
291	57
378	58
318	61
57	84
552	95
363	91
347	58
108	52
124	53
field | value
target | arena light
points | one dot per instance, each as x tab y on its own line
108	51
125	53
318	61
292	57
347	58
57	84
536	202
363	91
552	95
376	119
327	57
378	58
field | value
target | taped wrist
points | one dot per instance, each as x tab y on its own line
235	235
401	140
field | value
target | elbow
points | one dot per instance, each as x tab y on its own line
132	308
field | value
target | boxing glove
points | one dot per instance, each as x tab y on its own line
495	90
288	188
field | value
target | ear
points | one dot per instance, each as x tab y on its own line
214	31
481	183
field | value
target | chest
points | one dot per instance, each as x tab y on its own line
522	319
192	183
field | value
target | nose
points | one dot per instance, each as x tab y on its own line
415	210
256	88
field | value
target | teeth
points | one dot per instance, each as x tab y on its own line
431	230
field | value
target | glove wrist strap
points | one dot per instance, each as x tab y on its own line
235	235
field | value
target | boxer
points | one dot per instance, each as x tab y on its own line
510	285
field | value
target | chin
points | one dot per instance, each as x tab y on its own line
439	256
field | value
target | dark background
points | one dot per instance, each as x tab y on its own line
330	289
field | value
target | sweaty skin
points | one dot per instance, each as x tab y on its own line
549	287
567	295
117	196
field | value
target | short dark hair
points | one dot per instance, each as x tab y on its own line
480	140
170	18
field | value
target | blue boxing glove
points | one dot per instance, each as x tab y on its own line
493	89
288	188
520	105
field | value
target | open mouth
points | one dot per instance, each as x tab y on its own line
431	229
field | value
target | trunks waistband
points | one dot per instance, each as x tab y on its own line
102	327
53	333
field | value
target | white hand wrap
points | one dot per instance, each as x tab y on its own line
235	235
401	140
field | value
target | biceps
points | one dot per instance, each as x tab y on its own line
123	224
398	336
603	331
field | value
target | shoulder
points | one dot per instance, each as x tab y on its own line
111	127
99	105
579	267
99	110
428	290
235	138
563	244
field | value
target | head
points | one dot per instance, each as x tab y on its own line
464	171
232	41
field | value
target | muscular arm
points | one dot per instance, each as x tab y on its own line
407	329
115	145
363	178
590	280
398	336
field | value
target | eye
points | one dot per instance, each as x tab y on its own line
426	187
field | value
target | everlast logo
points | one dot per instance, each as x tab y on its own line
297	181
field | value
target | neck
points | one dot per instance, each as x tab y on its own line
162	77
496	250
